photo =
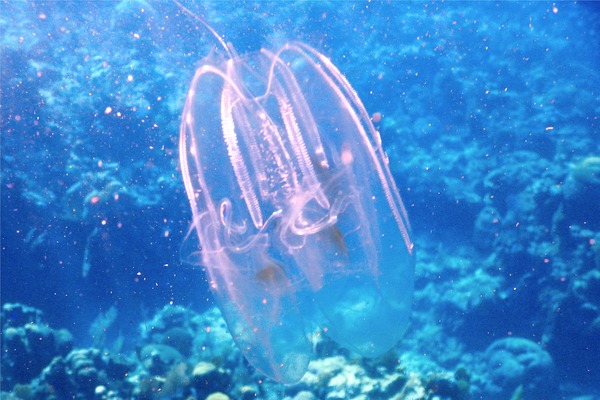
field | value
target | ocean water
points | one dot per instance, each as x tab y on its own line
489	115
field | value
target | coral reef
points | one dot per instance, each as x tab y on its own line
513	365
28	344
581	193
83	374
160	371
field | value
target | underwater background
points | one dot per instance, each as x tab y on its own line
490	116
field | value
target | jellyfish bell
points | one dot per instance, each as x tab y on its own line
298	220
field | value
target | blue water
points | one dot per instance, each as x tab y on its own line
489	115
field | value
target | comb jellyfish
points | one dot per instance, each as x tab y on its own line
298	220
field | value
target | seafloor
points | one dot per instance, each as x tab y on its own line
491	121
